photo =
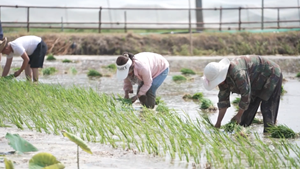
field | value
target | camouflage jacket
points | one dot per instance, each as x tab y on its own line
250	76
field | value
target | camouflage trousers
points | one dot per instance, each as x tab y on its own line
269	109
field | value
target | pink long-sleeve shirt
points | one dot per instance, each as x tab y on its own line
147	66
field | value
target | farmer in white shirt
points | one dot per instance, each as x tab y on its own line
146	69
32	49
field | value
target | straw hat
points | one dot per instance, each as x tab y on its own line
122	71
215	73
3	43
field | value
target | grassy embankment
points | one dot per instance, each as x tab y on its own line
92	43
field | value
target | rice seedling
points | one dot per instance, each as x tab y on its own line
111	67
49	71
298	74
187	96
67	61
257	121
50	57
94	73
206	104
73	70
179	78
108	121
283	91
162	108
281	131
186	71
236	101
197	96
158	100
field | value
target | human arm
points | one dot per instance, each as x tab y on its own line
7	67
221	114
24	64
127	88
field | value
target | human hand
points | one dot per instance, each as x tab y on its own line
134	98
17	73
237	119
217	125
126	96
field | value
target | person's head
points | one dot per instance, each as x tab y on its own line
215	73
3	45
124	65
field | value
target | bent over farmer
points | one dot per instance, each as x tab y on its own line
258	81
148	70
32	49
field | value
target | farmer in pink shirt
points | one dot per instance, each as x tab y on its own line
146	69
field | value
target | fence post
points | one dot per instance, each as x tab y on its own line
240	22
220	28
262	14
125	21
99	26
27	19
62	24
278	18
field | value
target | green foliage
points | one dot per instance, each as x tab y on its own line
162	108
298	74
124	101
198	96
77	141
49	71
93	73
283	91
232	126
67	61
257	121
158	100
73	70
112	66
8	164
44	160
281	131
179	78
186	71
50	57
236	101
19	144
206	103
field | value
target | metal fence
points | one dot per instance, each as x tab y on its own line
99	18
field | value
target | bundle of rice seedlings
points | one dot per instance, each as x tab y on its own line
187	96
281	131
50	57
257	121
162	107
93	73
179	78
197	96
206	104
206	120
187	71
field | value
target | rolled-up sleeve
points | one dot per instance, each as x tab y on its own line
223	97
242	81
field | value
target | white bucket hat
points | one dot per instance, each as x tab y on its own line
122	71
3	43
215	73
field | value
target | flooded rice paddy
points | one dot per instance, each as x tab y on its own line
170	92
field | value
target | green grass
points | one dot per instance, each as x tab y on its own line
179	78
49	71
186	71
67	61
100	118
111	66
94	73
50	57
281	131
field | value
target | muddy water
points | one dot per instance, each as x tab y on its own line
170	92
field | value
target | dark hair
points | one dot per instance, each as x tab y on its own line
122	60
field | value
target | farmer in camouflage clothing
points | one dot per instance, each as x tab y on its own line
258	81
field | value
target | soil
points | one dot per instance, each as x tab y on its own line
199	44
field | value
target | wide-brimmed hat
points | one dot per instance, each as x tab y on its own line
215	73
122	71
3	43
